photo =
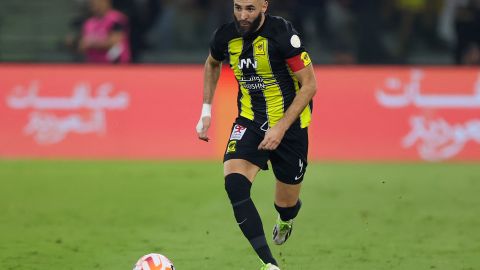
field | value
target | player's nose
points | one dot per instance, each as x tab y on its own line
244	15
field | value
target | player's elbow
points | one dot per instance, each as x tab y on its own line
314	87
212	62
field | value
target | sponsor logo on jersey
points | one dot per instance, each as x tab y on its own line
247	63
256	83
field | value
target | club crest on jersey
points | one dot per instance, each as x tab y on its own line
260	48
232	147
246	63
237	132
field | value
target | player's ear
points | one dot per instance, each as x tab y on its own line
264	6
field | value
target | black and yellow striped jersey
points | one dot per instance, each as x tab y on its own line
263	64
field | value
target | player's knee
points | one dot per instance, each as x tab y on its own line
238	187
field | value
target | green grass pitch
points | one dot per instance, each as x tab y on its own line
83	215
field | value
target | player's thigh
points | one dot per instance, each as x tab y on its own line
287	195
242	154
289	160
241	166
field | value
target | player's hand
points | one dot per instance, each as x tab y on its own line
202	127
272	138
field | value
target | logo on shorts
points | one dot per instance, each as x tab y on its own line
232	147
237	132
300	164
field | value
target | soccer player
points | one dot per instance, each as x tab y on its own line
276	84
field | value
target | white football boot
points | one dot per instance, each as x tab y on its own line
269	267
282	231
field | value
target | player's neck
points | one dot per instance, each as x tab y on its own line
262	21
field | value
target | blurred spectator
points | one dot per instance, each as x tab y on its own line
417	24
181	25
467	26
72	38
310	19
105	35
340	23
141	16
217	13
459	27
335	31
446	23
369	32
409	11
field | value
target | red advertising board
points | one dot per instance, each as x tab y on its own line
397	114
381	113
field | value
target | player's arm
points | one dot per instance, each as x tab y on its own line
210	79
308	82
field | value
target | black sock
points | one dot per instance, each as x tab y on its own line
287	213
238	190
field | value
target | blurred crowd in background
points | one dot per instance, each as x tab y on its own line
335	31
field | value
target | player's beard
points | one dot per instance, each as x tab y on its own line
251	28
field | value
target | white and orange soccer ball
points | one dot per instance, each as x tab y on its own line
154	261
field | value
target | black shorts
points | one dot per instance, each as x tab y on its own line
289	160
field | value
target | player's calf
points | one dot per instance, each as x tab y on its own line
238	190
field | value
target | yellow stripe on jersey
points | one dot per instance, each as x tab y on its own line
306	115
272	92
235	47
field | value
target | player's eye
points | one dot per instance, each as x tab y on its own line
238	8
250	9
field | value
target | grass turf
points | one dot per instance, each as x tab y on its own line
83	215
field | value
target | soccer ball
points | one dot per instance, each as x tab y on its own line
154	261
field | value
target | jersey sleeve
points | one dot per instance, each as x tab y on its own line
292	49
218	45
